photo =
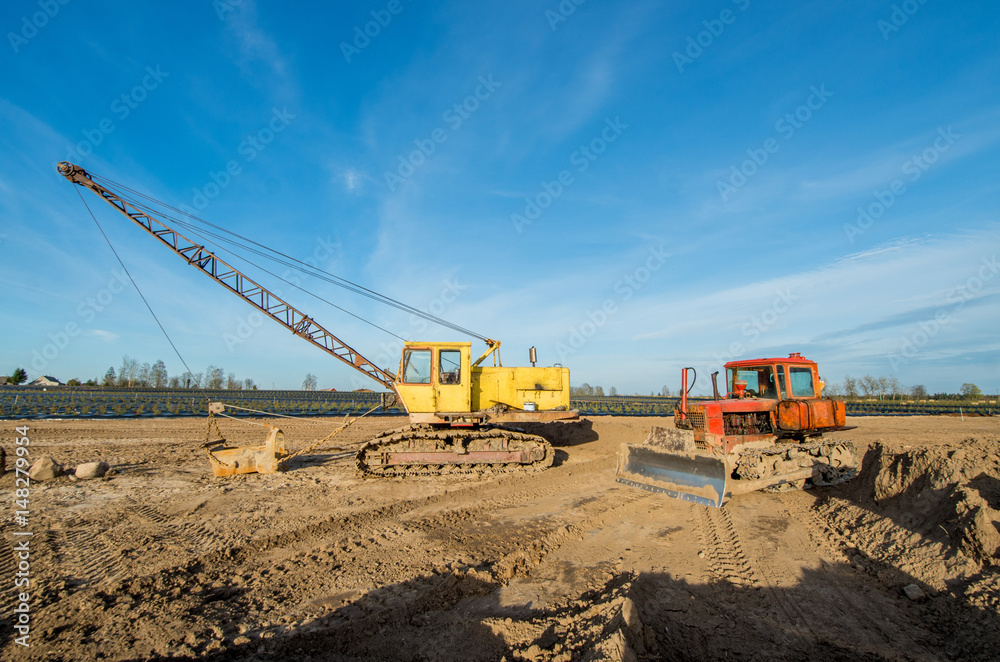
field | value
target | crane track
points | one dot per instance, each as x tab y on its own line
426	439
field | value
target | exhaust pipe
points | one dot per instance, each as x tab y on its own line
685	389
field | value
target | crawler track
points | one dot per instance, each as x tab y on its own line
426	451
836	462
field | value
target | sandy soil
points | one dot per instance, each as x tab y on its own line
163	560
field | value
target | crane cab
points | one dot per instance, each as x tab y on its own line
438	383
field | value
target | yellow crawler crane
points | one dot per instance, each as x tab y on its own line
459	409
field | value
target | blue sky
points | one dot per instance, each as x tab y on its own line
629	187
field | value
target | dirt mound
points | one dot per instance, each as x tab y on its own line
927	513
954	489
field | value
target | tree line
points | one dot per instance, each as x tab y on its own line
868	387
132	374
890	388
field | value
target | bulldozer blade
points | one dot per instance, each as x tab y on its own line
686	476
265	459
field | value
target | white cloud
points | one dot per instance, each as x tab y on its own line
106	336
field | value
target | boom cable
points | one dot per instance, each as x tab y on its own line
284	259
134	284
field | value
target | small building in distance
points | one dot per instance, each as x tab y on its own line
45	380
4	381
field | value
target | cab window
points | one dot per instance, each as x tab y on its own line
760	381
801	380
417	366
450	366
781	382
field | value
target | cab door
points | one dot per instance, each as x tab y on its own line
452	378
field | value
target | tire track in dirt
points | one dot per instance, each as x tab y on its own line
8	570
412	599
491	496
521	561
86	558
732	561
726	558
145	513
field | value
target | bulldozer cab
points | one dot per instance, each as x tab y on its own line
435	377
792	379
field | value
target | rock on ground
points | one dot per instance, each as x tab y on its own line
45	468
89	470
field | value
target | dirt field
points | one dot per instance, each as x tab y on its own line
163	560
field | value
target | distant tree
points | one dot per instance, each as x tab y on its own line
233	384
869	385
309	383
249	385
613	391
831	389
197	379
599	390
19	376
970	391
850	386
882	387
74	382
128	372
90	382
665	392
158	374
109	377
215	378
142	377
919	392
174	382
895	388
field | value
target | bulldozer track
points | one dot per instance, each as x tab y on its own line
726	558
8	568
433	440
146	513
196	537
771	462
88	557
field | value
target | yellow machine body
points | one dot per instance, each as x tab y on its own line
438	383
